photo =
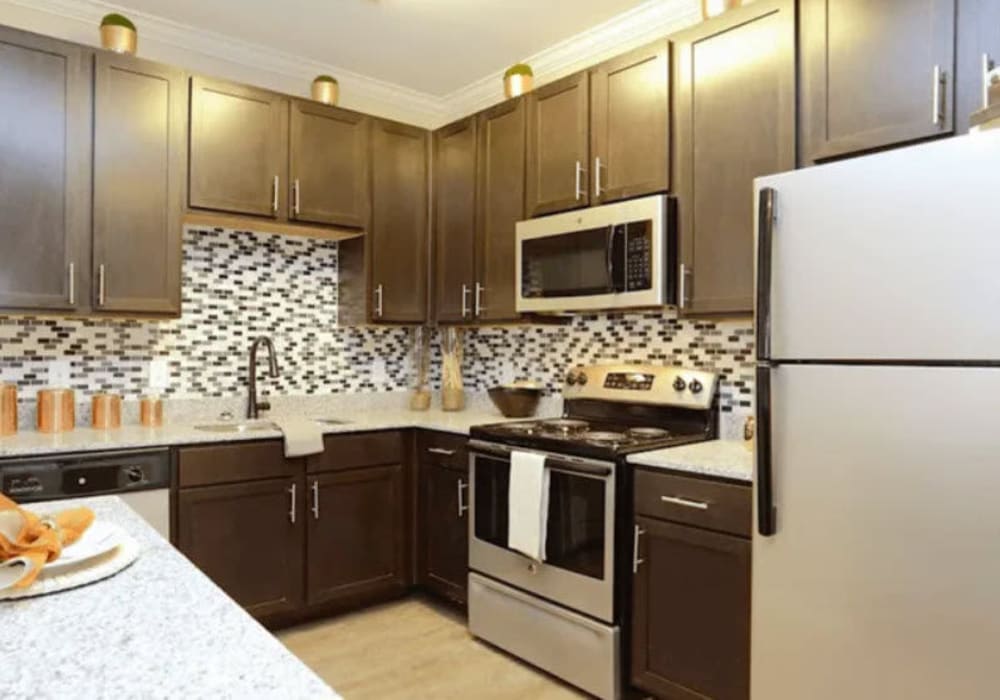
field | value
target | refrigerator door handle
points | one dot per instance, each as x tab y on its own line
766	510
765	234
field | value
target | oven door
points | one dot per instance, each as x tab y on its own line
579	568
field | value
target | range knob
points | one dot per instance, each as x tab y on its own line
133	474
680	384
581	378
571	379
695	386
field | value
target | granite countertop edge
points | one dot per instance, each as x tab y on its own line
726	459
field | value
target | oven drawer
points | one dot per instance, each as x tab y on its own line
570	646
700	502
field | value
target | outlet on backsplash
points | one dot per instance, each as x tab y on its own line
379	373
59	373
158	373
732	423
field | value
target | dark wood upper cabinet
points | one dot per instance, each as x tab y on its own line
399	222
875	74
455	220
558	146
356	542
734	110
140	152
328	165
630	124
239	149
500	198
45	171
977	53
247	537
691	613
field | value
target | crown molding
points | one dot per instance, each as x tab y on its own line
177	43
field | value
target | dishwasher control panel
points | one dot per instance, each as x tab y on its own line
85	474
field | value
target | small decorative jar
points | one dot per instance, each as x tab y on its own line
118	34
325	89
8	409
106	411
420	392
56	410
452	389
151	410
518	80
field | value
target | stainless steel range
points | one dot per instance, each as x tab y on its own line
565	614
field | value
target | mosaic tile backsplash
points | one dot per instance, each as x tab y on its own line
240	285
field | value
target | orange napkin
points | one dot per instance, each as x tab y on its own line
25	536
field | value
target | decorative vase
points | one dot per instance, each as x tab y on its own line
518	80
420	392
714	8
325	89
452	389
118	34
8	409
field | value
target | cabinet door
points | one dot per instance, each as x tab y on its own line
445	530
247	538
355	539
735	112
875	74
630	124
558	146
239	149
399	223
978	52
454	220
500	197
44	172
140	123
691	613
329	165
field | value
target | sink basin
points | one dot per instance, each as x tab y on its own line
240	427
331	421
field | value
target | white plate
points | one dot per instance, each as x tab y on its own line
100	538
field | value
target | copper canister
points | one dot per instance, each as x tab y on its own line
8	409
56	410
151	411
106	411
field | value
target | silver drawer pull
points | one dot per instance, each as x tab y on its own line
291	504
315	495
462	486
441	451
637	532
686	502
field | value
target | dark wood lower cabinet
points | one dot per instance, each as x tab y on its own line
445	531
245	538
355	536
691	613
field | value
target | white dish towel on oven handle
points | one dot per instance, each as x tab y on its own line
528	504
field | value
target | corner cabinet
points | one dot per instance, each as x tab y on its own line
734	106
892	83
399	241
443	515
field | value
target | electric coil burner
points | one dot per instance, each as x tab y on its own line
579	588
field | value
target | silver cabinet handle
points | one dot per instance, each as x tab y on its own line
579	191
291	504
100	284
686	502
682	285
441	451
378	301
939	96
315	495
296	197
479	300
465	300
274	195
636	561
597	176
988	66
72	284
462	486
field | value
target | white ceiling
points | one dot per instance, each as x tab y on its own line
432	46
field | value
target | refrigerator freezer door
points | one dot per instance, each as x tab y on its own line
894	256
882	579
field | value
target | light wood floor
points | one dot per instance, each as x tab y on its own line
414	649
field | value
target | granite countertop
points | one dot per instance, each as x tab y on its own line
158	629
32	443
729	459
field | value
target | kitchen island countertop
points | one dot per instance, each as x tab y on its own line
728	459
158	629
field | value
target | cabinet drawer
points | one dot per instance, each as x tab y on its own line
700	502
221	464
357	450
444	449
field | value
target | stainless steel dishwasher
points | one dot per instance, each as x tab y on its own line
141	478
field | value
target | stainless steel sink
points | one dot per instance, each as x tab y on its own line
331	421
240	427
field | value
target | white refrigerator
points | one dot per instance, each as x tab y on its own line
876	552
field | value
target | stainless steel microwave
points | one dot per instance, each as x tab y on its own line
615	256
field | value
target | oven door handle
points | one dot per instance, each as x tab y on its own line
565	464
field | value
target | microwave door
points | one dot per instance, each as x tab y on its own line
574	264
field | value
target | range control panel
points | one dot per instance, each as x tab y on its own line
675	386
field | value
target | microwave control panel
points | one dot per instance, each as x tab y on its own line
639	254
